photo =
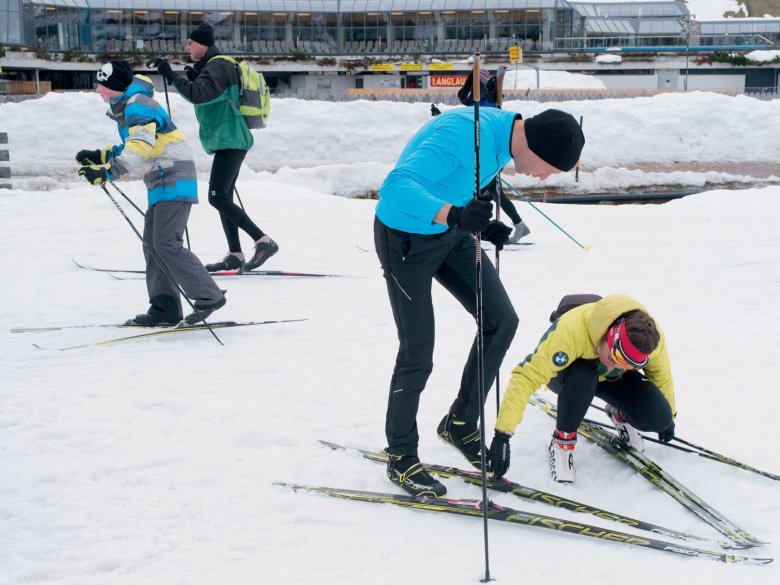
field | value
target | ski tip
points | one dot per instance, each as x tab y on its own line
754	561
330	445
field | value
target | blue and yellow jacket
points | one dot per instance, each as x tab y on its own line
575	335
151	141
437	167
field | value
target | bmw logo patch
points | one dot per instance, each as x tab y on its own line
560	359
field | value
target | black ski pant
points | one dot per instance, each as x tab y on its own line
164	226
222	183
642	403
410	263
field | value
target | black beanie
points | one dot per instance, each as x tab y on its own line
204	35
116	75
556	138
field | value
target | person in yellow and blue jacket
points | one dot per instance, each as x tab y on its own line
610	348
150	141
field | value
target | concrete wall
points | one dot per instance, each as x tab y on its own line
311	83
695	82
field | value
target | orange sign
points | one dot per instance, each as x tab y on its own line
447	80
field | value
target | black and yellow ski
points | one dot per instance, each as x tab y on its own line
500	513
658	477
503	485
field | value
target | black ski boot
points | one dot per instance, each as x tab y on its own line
202	312
164	311
147	320
407	472
264	249
229	262
465	437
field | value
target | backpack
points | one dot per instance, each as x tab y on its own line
254	97
571	301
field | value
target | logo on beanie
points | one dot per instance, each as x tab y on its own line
560	359
116	75
105	72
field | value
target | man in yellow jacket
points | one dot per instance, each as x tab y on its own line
609	348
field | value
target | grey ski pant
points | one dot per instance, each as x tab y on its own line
164	232
411	262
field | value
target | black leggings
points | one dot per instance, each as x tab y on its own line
224	173
509	208
635	396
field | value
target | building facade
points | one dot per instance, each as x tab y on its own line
331	27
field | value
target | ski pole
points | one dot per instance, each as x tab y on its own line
695	449
480	339
241	203
130	201
706	453
156	257
547	217
498	272
168	105
499	193
577	171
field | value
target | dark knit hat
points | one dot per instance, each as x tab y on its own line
556	138
204	35
116	75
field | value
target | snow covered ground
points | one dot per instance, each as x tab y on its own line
630	142
153	461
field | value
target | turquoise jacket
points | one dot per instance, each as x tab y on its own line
151	141
437	167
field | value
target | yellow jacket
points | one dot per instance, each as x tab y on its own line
576	335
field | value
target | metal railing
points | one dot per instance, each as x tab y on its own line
449	97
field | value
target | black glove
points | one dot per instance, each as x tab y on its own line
666	435
474	217
498	455
95	174
163	68
90	157
497	234
192	75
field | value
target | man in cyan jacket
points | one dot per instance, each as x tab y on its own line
423	231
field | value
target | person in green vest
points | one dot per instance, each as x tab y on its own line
212	86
